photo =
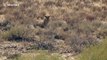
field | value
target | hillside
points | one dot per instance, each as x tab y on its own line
64	27
97	52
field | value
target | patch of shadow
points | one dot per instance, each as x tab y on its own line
59	37
45	46
20	39
6	25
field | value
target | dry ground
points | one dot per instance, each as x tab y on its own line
59	26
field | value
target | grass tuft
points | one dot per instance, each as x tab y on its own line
98	52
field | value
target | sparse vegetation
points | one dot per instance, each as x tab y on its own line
61	26
97	52
14	33
39	56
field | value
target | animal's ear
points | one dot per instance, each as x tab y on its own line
47	17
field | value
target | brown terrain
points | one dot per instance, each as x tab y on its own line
58	26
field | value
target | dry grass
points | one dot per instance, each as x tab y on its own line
77	23
39	56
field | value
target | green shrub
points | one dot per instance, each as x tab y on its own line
98	52
39	56
16	31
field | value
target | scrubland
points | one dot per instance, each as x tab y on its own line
61	27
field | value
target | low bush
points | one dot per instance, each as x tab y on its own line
14	33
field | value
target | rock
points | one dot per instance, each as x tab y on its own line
2	18
68	56
3	58
31	26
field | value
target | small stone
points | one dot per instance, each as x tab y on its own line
2	18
